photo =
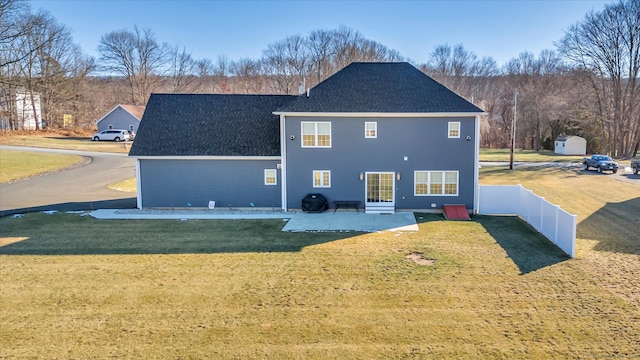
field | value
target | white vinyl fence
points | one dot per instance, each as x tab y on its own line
550	220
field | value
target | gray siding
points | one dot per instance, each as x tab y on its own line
424	141
230	183
119	118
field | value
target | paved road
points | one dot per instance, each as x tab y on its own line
81	188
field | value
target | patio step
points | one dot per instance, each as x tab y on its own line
380	209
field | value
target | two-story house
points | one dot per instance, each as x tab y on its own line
384	134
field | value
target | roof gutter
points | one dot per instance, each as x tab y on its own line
380	114
195	157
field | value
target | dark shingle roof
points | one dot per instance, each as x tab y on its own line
380	87
210	125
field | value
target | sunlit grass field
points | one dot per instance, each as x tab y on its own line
65	142
526	156
16	165
76	287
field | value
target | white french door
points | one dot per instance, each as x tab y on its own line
380	192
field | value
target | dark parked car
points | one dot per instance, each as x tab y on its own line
635	165
601	163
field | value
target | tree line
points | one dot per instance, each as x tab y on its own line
587	86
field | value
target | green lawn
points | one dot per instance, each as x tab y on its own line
15	165
243	289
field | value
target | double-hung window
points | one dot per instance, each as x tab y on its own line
270	177
454	129
316	134
321	178
370	129
431	183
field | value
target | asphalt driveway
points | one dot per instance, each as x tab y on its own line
81	188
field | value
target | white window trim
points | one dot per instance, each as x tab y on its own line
315	123
275	176
375	129
328	172
449	129
429	172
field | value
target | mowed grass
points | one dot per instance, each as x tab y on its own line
16	165
608	217
243	289
66	142
526	156
128	185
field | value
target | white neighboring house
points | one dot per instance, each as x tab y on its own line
570	145
28	112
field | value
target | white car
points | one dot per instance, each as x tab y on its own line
111	135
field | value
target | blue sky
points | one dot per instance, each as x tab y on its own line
500	29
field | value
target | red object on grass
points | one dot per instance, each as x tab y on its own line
455	212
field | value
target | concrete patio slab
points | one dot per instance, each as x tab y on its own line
351	221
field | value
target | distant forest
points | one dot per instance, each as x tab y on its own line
587	86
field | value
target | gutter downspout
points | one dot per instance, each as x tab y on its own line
138	185
476	170
283	163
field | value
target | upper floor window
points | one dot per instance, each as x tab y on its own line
454	129
371	129
270	177
316	134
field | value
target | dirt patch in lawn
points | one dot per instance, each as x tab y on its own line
420	259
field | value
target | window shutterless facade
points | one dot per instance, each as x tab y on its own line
270	177
316	134
370	129
321	178
454	129
435	183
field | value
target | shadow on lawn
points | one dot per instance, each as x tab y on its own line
528	249
124	203
72	234
615	226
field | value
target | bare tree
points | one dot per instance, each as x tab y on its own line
223	66
538	82
182	70
321	54
286	62
605	48
248	74
16	22
136	56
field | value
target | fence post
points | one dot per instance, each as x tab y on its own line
542	201
555	230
